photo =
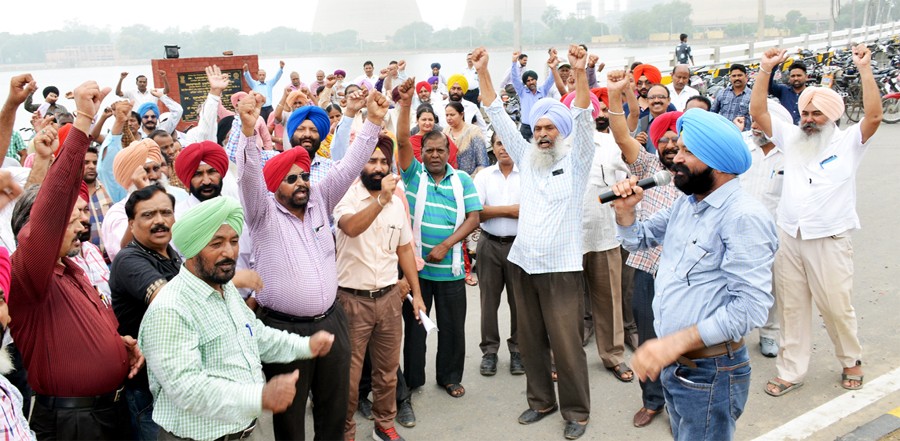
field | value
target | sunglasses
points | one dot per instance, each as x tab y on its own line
665	141
292	179
148	117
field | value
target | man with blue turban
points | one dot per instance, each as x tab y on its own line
196	325
715	271
547	253
306	128
152	119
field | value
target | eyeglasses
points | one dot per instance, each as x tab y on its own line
665	141
292	179
657	97
148	117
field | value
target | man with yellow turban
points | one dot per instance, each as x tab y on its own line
198	323
715	270
458	87
816	214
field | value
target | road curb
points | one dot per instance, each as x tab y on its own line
875	429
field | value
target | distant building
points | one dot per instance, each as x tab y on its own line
88	54
373	21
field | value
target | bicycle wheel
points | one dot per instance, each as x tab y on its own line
891	108
854	111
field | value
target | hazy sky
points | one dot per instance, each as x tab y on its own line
193	14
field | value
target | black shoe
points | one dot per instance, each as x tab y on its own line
489	365
365	408
574	429
533	416
516	367
405	415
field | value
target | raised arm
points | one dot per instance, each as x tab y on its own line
515	76
254	194
553	64
592	70
341	140
618	85
759	107
52	210
165	81
405	155
29	104
175	110
862	57
503	124
634	108
111	146
119	84
20	87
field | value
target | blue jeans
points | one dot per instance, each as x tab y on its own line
140	406
705	402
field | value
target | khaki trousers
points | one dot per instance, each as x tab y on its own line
820	271
376	324
603	273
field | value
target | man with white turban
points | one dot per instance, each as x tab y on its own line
816	214
714	278
547	253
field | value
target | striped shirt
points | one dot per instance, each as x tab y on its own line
296	257
204	351
551	210
655	199
439	219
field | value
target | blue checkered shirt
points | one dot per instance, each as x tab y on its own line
551	208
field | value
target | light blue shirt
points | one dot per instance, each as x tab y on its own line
263	88
715	270
551	206
526	97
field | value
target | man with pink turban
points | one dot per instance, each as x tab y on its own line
816	214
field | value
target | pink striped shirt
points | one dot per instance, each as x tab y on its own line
296	258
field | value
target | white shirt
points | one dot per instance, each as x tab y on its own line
765	178
599	220
496	190
471	109
140	98
472	77
819	196
679	100
7	238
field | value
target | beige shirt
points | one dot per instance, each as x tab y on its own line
369	260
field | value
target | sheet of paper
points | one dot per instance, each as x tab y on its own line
426	321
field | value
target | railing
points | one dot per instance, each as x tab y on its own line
752	51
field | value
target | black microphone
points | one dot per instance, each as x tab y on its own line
661	177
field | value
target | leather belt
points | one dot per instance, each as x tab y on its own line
502	239
244	434
372	294
51	402
294	319
710	352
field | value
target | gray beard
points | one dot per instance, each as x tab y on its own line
804	148
543	159
6	363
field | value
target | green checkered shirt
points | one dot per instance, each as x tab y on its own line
16	145
204	355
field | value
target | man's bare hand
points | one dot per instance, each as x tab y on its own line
739	122
249	108
641	138
218	81
248	279
515	56
617	81
156	92
355	101
630	194
437	253
330	81
407	89
20	86
480	58
122	110
123	75
139	178
9	188
771	58
278	393
135	357
592	60
862	56
578	57
320	343
388	184
401	65
281	64
46	142
377	105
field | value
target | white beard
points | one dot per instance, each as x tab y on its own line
803	148
6	363
543	159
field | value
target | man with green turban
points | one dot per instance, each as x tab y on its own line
204	347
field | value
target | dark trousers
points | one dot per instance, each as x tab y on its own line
328	378
471	95
449	299
495	273
651	391
265	111
526	132
104	422
551	317
627	294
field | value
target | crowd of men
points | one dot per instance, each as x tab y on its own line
160	284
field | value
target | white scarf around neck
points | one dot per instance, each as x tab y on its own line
421	196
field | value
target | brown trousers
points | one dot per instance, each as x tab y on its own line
378	325
603	273
550	317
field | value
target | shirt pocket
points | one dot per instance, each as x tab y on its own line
390	237
696	259
557	187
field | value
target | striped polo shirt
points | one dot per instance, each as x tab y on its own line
439	220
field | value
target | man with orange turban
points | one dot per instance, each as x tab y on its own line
645	77
294	251
816	214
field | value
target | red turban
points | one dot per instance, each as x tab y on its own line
189	160
416	141
5	273
569	98
662	124
423	85
279	166
83	193
602	94
649	71
62	134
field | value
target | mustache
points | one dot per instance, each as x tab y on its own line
225	261
206	187
544	139
810	125
377	174
159	228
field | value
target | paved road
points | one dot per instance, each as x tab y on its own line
491	404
